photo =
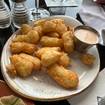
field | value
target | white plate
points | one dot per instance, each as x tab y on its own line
40	86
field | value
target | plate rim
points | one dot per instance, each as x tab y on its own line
46	99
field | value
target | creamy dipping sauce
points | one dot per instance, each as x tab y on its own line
86	36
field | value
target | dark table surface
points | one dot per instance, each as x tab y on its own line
6	33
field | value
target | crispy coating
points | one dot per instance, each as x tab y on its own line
61	28
49	26
39	22
50	57
71	29
31	37
51	42
64	60
87	59
64	77
36	62
11	70
53	34
68	42
53	25
39	29
57	21
44	49
25	28
18	47
23	67
71	32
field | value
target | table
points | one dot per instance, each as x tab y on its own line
6	33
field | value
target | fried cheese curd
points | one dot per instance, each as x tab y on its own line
87	59
32	64
64	77
65	60
39	22
60	25
22	66
68	42
45	45
18	47
39	30
36	61
31	37
53	25
25	28
51	42
11	70
49	26
50	57
53	34
42	50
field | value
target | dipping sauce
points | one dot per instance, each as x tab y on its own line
86	36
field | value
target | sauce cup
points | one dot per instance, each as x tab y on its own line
85	37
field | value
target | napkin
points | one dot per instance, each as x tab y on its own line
93	15
11	100
94	95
